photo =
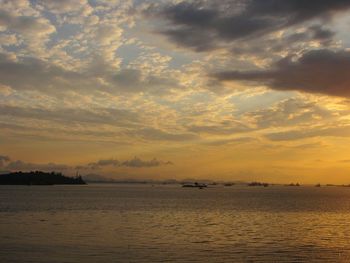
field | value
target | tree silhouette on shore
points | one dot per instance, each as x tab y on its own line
38	178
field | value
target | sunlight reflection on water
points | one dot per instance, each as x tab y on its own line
140	223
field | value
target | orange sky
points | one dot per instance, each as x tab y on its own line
177	89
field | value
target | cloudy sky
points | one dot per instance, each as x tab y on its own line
222	90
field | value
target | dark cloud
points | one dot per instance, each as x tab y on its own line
134	163
313	33
291	42
199	41
201	25
101	163
108	162
138	163
24	166
19	165
317	71
321	33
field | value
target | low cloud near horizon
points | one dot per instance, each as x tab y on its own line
7	164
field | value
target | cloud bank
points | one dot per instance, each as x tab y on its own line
317	71
6	163
203	25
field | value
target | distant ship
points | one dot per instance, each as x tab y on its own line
198	185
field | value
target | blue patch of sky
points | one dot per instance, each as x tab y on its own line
131	52
180	59
33	2
128	53
14	48
64	32
342	25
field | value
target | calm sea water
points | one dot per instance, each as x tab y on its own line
141	223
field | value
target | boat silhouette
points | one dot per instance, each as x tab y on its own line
198	185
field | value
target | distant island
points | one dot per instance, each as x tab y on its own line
38	178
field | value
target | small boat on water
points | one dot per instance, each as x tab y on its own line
198	185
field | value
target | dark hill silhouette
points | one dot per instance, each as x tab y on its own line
38	178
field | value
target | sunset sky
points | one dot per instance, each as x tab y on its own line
221	90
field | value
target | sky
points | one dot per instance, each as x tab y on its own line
220	90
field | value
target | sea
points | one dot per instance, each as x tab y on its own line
169	223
